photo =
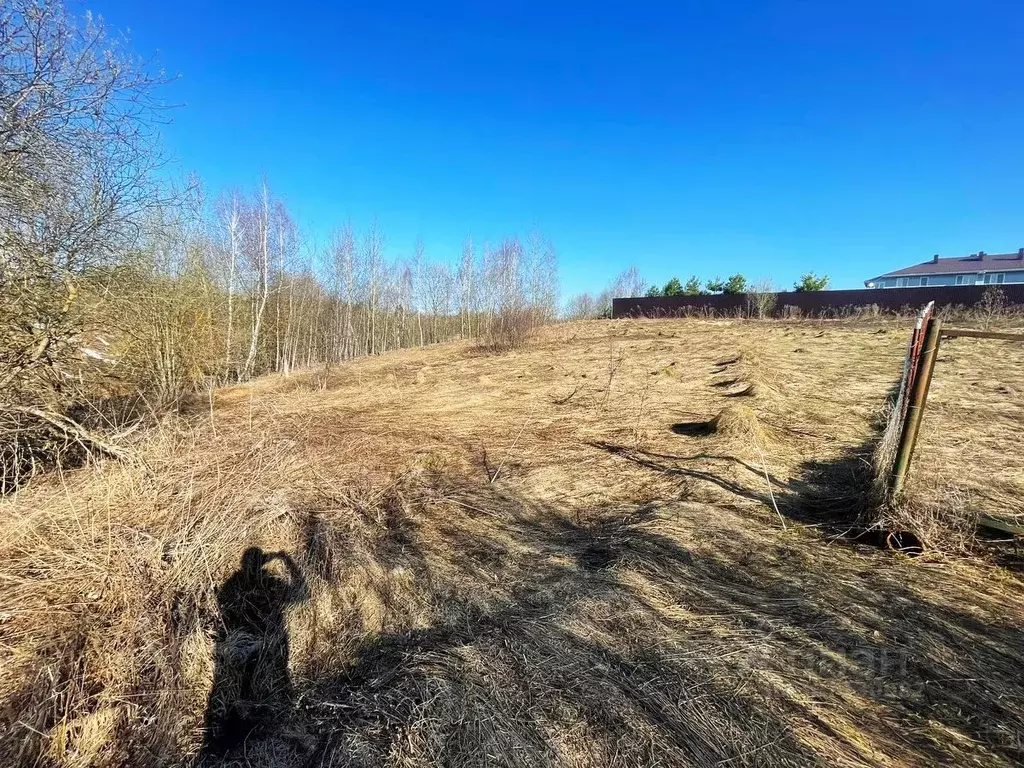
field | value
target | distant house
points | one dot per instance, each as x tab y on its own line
977	269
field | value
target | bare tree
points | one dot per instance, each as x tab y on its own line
467	287
416	289
343	252
78	137
582	306
78	147
762	296
437	284
289	265
230	218
626	284
543	277
373	253
259	259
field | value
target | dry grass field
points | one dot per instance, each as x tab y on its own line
631	543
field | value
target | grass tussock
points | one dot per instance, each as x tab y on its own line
746	389
739	423
949	526
750	373
936	513
454	561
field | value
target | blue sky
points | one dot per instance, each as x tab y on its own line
768	138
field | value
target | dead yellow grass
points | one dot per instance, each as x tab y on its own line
566	555
739	423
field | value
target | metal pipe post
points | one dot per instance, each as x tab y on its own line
918	399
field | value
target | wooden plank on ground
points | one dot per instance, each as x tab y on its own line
1000	525
954	333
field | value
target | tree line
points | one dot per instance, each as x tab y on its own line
734	284
260	299
117	285
630	284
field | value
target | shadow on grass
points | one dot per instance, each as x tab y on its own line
636	636
676	466
511	681
694	428
252	687
835	496
834	493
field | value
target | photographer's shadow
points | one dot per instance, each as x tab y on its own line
252	690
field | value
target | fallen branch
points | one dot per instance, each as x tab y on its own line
72	429
768	480
571	395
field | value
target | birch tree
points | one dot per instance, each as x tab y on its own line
416	292
373	247
259	255
229	216
467	287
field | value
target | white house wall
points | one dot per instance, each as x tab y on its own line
971	278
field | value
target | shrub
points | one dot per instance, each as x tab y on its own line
992	306
509	330
811	282
761	299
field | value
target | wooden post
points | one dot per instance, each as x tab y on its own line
961	333
918	397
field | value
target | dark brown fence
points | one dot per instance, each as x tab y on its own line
814	303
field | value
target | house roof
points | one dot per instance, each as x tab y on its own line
976	262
